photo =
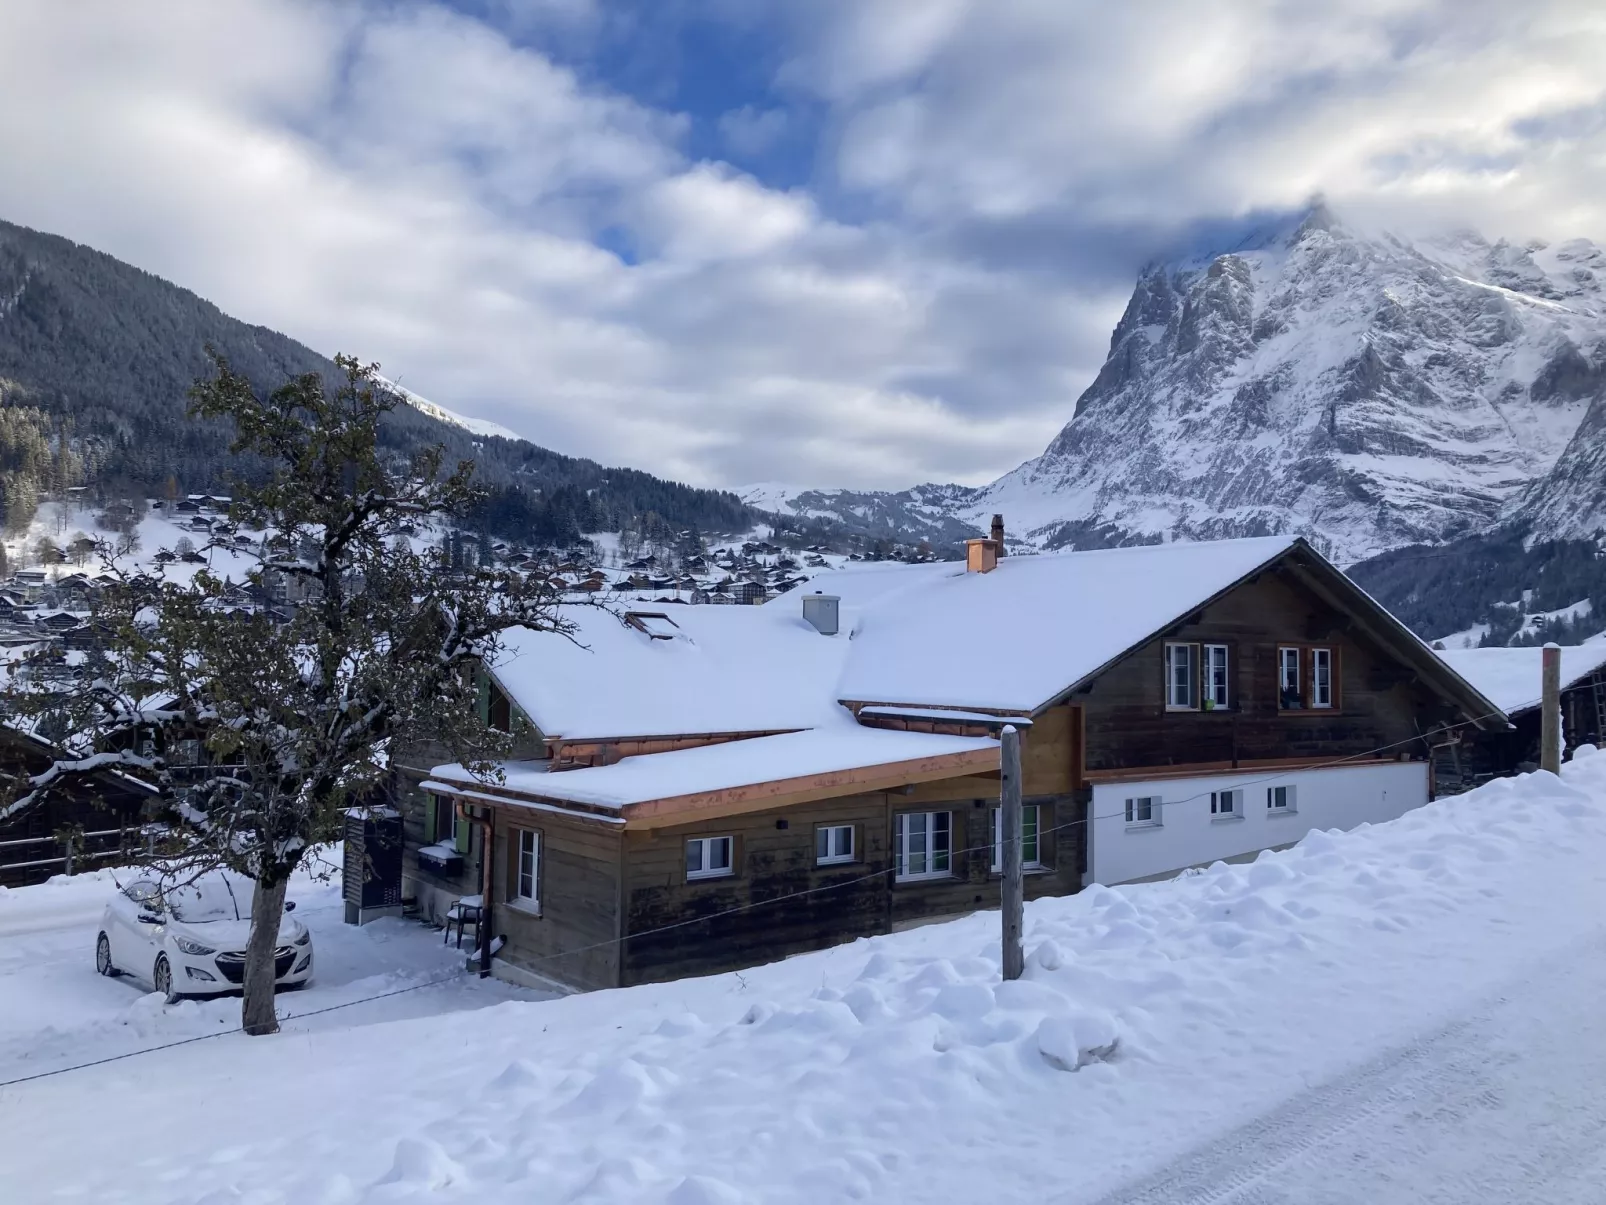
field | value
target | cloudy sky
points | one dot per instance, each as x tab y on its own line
837	242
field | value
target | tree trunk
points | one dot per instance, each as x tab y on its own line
258	1015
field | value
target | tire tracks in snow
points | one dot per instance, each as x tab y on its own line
1505	1102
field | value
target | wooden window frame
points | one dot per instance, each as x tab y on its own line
705	843
832	859
902	852
1031	839
1299	676
1193	660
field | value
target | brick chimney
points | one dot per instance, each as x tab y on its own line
998	533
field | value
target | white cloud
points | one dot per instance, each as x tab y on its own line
408	184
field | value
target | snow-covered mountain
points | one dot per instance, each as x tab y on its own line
1364	389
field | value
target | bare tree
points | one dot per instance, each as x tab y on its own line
297	719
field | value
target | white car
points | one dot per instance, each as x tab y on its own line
190	940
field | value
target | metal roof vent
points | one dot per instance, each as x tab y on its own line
821	611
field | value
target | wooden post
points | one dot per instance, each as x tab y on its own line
1010	839
1550	711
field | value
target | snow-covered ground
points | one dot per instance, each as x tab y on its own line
1404	1013
56	1011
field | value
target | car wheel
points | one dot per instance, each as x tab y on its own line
103	957
162	979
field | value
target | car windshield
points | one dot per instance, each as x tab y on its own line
216	897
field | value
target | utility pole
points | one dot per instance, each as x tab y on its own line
1550	711
1010	839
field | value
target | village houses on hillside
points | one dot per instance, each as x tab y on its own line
702	788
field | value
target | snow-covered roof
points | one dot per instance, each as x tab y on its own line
699	670
1016	637
839	746
1510	678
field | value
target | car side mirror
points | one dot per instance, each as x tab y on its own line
289	905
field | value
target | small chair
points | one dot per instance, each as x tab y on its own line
464	911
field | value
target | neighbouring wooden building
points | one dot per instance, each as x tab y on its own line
1511	678
719	787
81	826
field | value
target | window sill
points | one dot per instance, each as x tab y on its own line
1227	819
916	880
835	861
706	875
1282	812
997	872
1138	826
523	907
1170	709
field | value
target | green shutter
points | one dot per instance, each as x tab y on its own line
431	827
482	690
464	832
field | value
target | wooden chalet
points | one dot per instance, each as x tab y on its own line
725	786
1511	677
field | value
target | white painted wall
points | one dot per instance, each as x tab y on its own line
1335	797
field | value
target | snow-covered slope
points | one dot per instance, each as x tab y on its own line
1365	390
474	426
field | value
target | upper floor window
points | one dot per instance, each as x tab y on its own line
1290	695
1321	677
1181	677
1215	676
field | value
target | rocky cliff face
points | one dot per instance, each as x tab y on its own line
1365	391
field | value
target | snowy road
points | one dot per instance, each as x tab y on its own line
1506	1103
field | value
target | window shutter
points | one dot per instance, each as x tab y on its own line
482	695
463	829
432	832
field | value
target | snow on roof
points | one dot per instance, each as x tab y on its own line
836	747
1016	637
721	669
1510	678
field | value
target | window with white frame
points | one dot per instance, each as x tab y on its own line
1289	695
1280	799
1321	677
527	865
1180	665
1143	811
1030	851
833	843
924	845
1215	675
1226	804
708	857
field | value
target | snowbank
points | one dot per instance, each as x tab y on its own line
1150	1018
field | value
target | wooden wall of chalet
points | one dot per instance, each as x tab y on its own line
772	862
1379	701
572	937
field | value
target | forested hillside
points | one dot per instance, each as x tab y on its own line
96	358
1494	580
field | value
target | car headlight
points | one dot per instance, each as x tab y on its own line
192	947
303	939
